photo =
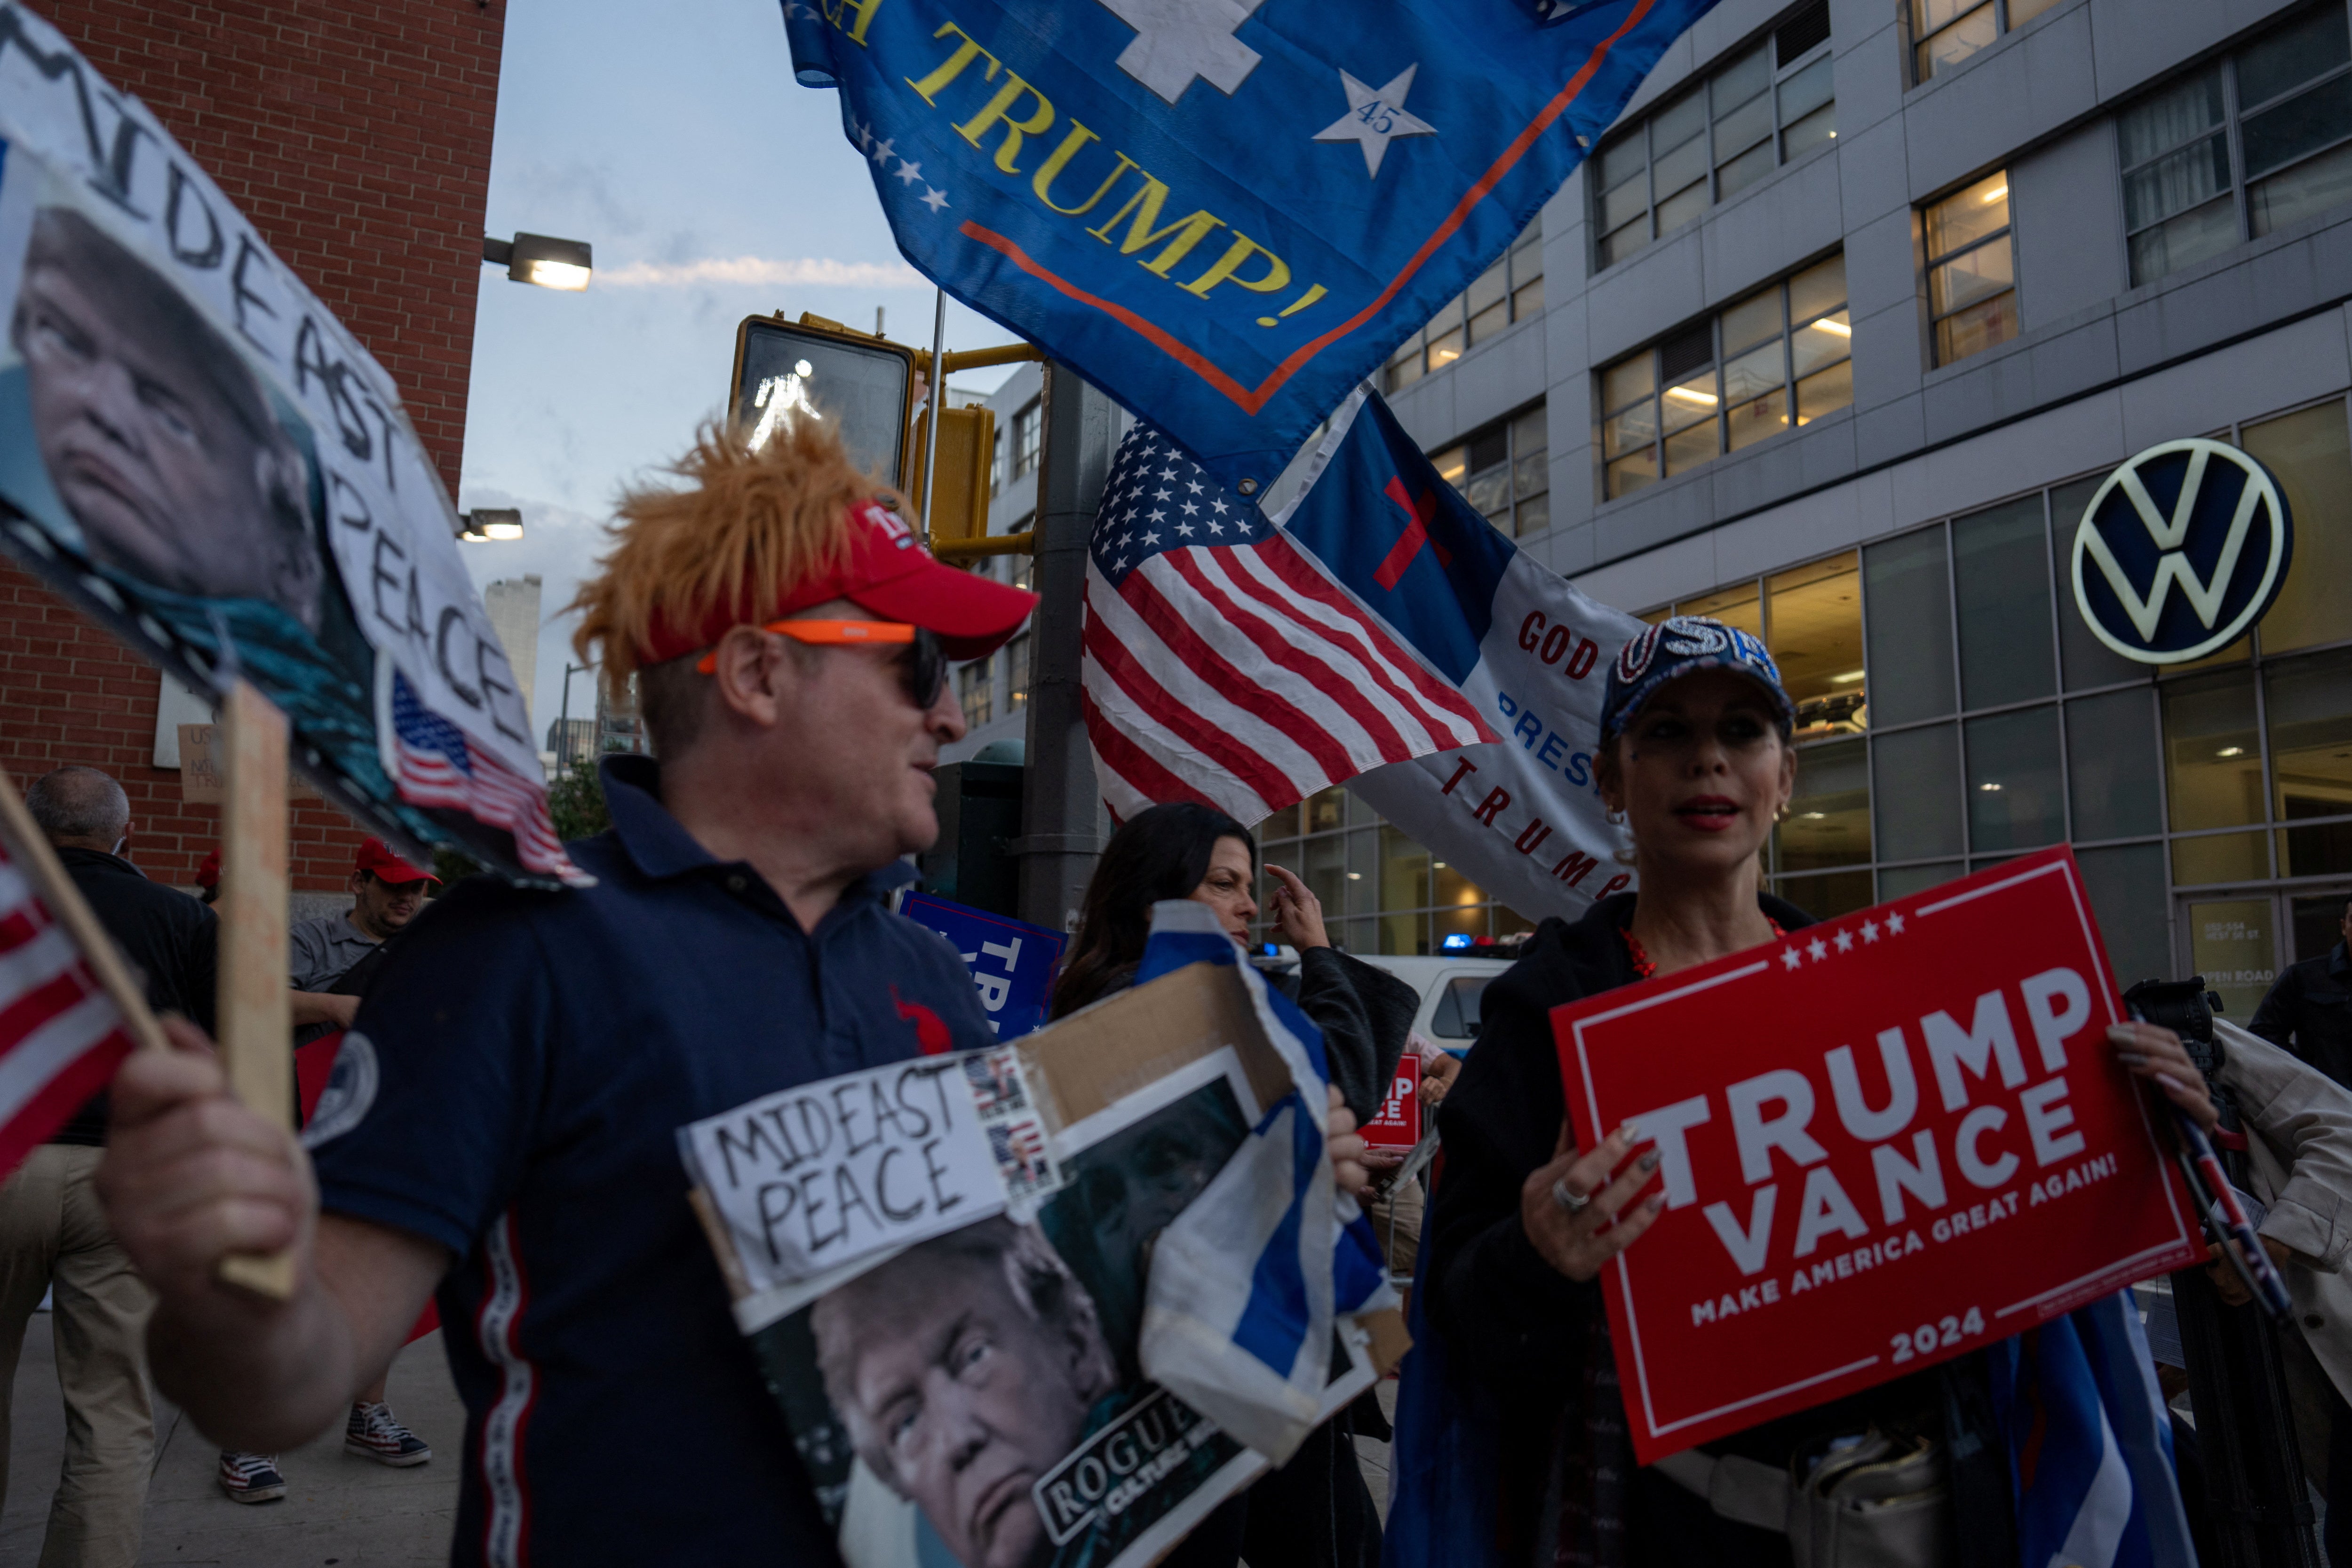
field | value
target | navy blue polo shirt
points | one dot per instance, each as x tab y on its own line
535	1054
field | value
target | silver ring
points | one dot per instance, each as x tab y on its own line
1564	1198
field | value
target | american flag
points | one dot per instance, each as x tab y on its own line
1225	664
438	768
60	1035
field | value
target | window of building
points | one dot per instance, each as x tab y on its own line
976	688
1017	672
1945	32
2283	103
997	466
1511	290
1971	269
1505	471
1781	356
1770	105
1028	436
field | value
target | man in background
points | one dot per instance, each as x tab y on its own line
323	952
2309	1008
386	893
53	1238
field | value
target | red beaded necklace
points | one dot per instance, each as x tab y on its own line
1646	967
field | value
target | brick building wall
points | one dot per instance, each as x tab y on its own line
356	137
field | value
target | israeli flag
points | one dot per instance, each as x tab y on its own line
2090	1444
1247	1281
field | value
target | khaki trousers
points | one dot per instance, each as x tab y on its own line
53	1235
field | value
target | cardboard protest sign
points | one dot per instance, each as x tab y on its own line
1397	1125
196	453
975	1397
1885	1140
1012	962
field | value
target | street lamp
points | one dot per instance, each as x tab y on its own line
564	714
490	522
543	259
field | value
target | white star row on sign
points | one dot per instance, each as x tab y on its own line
1794	956
1376	116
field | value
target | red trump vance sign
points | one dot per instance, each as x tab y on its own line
1883	1139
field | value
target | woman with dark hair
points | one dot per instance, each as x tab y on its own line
1315	1511
1695	756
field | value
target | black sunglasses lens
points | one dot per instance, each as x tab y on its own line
927	670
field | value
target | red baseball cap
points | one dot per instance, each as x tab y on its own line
208	871
386	867
887	574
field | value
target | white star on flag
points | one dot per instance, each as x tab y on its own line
1844	941
884	151
934	199
1817	950
1870	931
1894	925
908	174
1375	116
1792	959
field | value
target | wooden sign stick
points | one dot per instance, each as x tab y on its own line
30	848
256	1011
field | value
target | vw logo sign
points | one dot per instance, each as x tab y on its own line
2180	551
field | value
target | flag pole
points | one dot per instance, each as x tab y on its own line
30	848
254	1006
938	400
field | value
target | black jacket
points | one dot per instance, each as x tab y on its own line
1517	1324
172	940
2309	1012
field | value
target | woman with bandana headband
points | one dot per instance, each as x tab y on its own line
1694	758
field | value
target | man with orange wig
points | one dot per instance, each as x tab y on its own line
503	1119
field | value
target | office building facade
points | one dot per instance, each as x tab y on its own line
1834	336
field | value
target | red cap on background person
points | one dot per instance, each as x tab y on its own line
378	860
208	871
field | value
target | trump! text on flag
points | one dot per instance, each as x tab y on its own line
1224	212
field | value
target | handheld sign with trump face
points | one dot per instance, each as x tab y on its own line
1884	1141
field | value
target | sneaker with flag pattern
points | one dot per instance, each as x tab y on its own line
251	1478
375	1431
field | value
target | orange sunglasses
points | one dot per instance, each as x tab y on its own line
927	672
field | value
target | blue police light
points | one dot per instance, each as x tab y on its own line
1272	950
1456	943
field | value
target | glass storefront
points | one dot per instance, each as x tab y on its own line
1953	712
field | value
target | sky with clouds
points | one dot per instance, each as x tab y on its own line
674	141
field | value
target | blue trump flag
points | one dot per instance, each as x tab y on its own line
1224	212
1012	962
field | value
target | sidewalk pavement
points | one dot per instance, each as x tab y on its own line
338	1509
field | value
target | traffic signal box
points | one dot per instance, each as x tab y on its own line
959	502
980	818
866	383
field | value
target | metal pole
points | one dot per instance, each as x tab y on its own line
939	401
1060	805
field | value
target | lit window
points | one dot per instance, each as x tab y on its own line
1770	105
1511	290
1780	357
1505	472
1971	269
1017	672
1945	32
